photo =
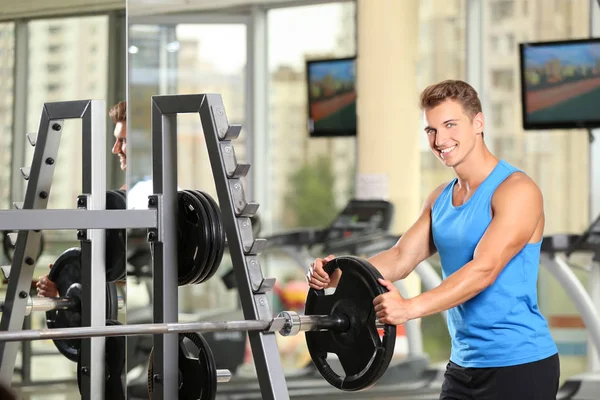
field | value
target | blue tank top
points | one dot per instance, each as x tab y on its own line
502	325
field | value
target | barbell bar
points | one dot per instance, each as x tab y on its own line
286	323
35	304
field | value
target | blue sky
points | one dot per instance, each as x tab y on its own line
339	69
568	54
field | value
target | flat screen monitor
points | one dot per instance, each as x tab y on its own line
331	97
560	84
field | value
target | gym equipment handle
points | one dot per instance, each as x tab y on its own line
286	323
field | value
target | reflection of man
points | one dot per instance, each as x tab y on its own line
118	114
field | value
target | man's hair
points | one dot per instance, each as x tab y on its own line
456	90
118	112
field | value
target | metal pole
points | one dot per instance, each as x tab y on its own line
561	271
54	303
278	324
46	304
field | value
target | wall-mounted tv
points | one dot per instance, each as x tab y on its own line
331	97
560	84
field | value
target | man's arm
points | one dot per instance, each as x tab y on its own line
517	211
414	246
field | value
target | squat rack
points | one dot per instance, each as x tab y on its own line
91	219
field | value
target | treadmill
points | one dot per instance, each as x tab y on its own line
585	386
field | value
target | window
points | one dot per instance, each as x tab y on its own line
503	91
557	160
502	79
53	67
297	34
69	80
502	9
6	108
442	52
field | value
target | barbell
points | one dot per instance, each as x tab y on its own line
342	323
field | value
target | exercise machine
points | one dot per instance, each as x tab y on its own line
555	253
178	223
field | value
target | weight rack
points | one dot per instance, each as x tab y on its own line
91	219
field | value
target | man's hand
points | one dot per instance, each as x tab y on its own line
45	287
319	279
390	307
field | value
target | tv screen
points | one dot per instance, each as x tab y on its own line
560	84
331	97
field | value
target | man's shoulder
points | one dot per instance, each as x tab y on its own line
517	187
435	193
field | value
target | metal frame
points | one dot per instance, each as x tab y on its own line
584	302
92	113
236	213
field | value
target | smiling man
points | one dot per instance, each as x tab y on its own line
487	226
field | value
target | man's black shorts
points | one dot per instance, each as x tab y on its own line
537	380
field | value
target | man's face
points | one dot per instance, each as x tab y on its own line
451	132
120	146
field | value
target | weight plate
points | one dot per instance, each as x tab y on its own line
66	275
112	301
191	234
113	368
115	240
211	244
123	277
197	369
363	355
219	239
204	243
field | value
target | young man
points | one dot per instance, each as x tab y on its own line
118	113
487	226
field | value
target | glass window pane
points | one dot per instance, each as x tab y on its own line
558	160
185	59
7	50
555	159
442	55
67	61
322	168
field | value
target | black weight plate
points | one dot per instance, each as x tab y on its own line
363	354
210	244
115	241
203	238
123	277
197	369
114	366
219	243
191	233
65	273
112	301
